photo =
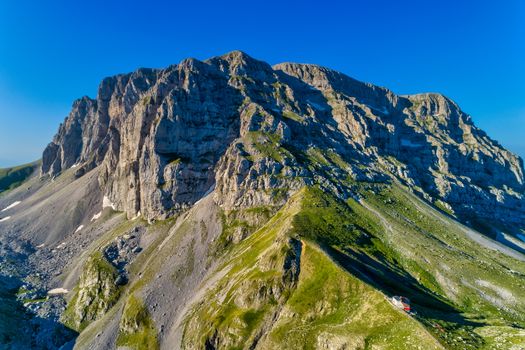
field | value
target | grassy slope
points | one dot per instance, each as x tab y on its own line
15	176
332	307
327	306
137	328
466	296
467	290
250	266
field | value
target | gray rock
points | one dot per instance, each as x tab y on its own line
257	133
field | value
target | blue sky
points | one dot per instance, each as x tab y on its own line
52	52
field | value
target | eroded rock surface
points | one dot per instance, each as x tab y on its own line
95	294
257	133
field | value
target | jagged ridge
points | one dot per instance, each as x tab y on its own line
164	137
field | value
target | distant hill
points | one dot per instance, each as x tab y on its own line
13	177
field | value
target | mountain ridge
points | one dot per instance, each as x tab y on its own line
372	120
230	204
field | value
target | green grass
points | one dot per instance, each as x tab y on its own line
137	329
22	290
444	207
235	222
325	219
252	266
292	116
436	252
337	160
317	156
332	304
324	302
174	161
398	245
252	318
267	145
13	177
146	100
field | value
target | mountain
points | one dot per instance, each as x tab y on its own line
13	177
229	204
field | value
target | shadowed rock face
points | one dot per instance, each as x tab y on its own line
165	137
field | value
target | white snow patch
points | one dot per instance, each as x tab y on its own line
79	228
58	291
5	219
96	216
136	216
408	143
40	246
61	245
106	203
11	205
74	165
522	237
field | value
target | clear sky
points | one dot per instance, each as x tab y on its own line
52	52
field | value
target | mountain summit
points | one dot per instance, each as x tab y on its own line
162	138
230	204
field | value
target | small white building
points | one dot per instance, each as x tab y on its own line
402	303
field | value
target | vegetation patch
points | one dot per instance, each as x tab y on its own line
444	207
252	289
331	308
293	116
239	224
326	304
13	177
268	145
432	248
137	329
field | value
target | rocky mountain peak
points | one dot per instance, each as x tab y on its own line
301	207
238	63
163	138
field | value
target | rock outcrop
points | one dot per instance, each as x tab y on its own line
96	293
256	133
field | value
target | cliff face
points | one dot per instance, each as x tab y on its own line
164	138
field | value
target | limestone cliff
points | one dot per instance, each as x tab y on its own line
257	133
